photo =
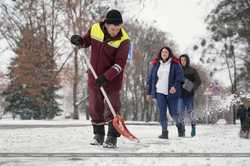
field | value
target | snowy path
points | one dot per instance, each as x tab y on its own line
210	139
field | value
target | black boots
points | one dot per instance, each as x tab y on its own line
181	129
99	133
164	134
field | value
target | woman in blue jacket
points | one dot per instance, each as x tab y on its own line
164	84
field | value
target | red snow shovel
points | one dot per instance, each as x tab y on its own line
118	121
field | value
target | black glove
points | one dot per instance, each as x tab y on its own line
101	80
76	40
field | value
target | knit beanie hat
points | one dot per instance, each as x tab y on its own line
113	17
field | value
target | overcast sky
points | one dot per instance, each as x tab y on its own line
183	19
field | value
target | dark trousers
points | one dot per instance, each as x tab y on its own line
186	108
164	103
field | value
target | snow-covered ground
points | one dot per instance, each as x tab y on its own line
219	138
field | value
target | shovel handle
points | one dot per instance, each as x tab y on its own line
101	88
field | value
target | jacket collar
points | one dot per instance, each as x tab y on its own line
107	37
174	60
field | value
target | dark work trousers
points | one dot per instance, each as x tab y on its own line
98	108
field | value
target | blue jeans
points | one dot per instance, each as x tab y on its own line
186	108
164	102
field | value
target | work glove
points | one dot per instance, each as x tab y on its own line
101	80
76	40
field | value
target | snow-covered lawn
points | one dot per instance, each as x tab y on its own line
219	138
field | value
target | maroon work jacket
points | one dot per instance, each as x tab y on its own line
108	55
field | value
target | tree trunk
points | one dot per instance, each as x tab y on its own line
143	91
75	85
235	81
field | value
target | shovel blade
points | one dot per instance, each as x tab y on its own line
119	125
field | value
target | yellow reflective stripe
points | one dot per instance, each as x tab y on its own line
96	38
113	45
96	32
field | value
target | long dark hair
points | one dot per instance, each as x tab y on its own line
169	51
187	59
157	57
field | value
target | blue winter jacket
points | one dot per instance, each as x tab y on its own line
176	76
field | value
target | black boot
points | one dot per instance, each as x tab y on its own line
99	132
112	131
111	140
181	129
164	134
97	140
193	130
